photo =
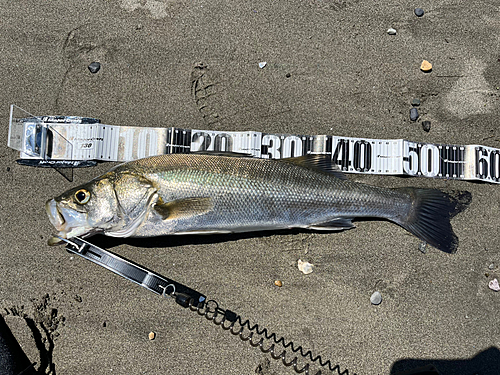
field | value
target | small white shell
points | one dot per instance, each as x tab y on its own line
391	31
493	285
262	64
305	267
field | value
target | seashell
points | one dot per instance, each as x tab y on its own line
493	285
305	267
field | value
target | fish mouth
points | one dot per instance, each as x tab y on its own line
55	217
68	225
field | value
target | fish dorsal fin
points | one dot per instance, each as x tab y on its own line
183	208
318	162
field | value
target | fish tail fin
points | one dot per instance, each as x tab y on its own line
430	214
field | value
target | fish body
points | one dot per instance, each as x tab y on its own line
202	193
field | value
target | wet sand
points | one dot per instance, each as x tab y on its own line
331	69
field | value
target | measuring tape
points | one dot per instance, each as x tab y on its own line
75	139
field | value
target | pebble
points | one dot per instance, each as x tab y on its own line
419	12
278	283
391	31
376	298
426	125
152	335
493	285
288	75
262	64
413	114
426	66
305	267
491	266
415	102
94	67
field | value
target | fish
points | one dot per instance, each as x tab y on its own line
218	193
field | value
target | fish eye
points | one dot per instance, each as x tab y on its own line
82	196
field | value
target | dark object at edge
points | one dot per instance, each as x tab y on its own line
13	361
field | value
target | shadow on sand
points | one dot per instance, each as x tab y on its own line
486	362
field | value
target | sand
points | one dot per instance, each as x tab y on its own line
347	76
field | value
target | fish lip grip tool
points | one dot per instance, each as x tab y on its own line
131	271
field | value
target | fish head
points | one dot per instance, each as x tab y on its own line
112	204
83	210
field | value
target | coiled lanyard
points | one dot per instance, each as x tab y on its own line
195	301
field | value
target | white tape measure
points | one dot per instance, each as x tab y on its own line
80	139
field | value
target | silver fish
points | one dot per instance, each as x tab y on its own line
202	194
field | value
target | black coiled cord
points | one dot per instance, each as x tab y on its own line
203	309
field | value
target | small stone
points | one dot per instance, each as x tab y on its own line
152	335
8	169
426	125
376	298
413	114
278	283
491	266
262	64
305	267
138	27
104	324
415	102
493	285
419	12
391	31
426	66
94	67
423	247
288	75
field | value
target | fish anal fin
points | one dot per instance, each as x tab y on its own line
183	208
336	224
318	162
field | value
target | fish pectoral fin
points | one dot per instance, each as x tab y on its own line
335	224
183	208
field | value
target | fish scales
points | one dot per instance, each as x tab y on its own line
258	193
